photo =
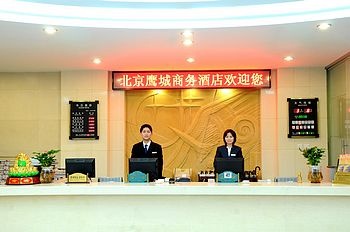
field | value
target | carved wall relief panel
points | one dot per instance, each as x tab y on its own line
189	124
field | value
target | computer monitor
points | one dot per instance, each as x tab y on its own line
80	165
235	165
146	165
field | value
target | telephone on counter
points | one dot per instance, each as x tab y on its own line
182	174
204	176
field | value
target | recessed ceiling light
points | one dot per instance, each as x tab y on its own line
187	34
187	38
288	58
187	42
97	61
190	60
323	26
50	30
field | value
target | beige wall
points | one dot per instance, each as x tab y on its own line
85	86
299	83
269	129
30	113
116	130
280	155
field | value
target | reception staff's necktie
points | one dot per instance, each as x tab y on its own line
146	148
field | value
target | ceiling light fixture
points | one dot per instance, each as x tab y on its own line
187	34
187	38
323	26
288	58
187	42
50	30
97	61
190	60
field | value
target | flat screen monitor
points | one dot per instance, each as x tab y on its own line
146	165
80	165
235	165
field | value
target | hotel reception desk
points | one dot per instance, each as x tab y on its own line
261	206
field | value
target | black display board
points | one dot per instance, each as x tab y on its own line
303	118
83	120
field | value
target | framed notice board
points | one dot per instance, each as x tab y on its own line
303	118
83	120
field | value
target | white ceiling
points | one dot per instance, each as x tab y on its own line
25	47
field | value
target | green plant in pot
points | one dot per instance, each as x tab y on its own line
314	156
46	160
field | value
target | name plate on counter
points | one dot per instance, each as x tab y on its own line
78	178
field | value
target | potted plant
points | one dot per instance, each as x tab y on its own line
46	160
314	156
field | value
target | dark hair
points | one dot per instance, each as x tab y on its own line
233	134
146	126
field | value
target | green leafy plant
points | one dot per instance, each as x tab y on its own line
46	158
313	155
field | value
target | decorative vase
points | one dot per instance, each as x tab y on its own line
315	174
47	174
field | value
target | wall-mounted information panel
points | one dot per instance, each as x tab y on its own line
83	120
303	118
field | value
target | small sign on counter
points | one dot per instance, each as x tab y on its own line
78	178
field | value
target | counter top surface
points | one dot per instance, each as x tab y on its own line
191	188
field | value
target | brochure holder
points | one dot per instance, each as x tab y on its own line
342	176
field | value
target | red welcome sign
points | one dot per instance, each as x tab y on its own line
191	79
